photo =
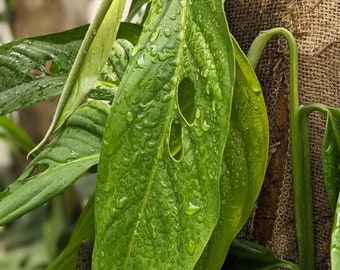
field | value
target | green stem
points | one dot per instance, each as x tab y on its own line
300	150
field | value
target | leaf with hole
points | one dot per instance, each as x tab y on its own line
58	166
155	209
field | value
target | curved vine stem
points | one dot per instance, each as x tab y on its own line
300	149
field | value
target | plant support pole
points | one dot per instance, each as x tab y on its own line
300	149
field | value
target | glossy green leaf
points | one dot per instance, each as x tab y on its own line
89	62
245	159
154	210
109	80
82	234
335	241
331	156
35	69
26	70
63	161
245	255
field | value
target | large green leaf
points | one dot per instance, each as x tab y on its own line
331	156
245	159
83	234
63	161
35	69
154	209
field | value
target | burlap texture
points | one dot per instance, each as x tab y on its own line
316	26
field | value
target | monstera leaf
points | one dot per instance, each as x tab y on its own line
156	206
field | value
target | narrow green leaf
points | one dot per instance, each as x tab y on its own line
245	159
64	160
35	69
153	209
331	156
335	241
89	62
82	234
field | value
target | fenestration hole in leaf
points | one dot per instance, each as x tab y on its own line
175	140
38	168
186	99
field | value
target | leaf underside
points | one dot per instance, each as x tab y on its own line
155	209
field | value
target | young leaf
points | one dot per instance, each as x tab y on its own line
155	209
82	233
331	156
65	159
245	159
89	62
35	69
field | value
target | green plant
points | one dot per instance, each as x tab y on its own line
182	151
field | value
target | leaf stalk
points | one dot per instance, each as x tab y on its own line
300	149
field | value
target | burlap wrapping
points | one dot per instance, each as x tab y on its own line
316	26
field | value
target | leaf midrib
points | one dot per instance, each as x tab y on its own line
161	140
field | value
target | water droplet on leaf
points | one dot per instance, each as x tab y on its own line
121	203
192	209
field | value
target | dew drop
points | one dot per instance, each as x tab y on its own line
173	16
153	51
113	212
218	93
198	132
192	209
167	32
205	126
154	35
121	203
126	161
200	218
198	113
129	116
168	97
191	247
163	56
